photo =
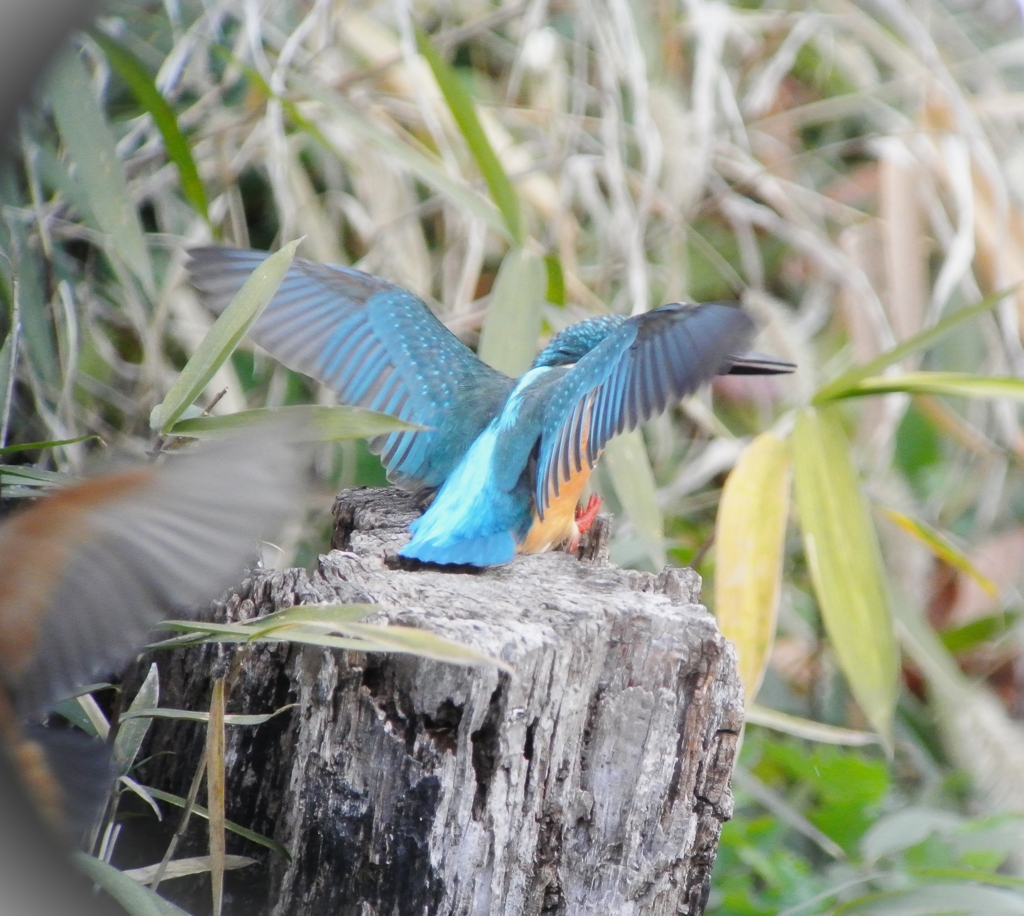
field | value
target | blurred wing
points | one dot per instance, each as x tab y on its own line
90	570
647	363
378	346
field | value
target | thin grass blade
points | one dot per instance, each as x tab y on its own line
141	84
216	790
955	384
940	546
838	387
463	109
807	728
237	829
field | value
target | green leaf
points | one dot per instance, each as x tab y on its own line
89	719
629	467
807	728
508	339
464	111
315	423
307	625
979	631
838	387
56	443
957	384
190	715
330	615
224	336
556	280
136	899
132	731
135	74
98	171
846	565
231	826
941	546
750	537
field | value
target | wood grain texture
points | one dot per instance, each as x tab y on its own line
593	782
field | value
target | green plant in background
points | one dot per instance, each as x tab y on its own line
851	172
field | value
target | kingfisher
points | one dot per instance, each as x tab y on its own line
507	459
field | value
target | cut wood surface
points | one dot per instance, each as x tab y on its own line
593	781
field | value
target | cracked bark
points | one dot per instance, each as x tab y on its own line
593	782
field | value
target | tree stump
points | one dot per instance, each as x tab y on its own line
594	781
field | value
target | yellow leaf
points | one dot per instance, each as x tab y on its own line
845	563
750	538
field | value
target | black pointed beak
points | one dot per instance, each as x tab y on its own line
752	363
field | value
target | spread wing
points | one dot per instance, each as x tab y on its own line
378	346
90	570
645	364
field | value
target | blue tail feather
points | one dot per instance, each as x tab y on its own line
484	551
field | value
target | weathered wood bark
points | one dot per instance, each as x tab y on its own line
595	781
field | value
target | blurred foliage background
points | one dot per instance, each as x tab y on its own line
852	172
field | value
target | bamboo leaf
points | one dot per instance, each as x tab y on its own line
307	625
190	715
463	109
629	468
216	790
840	386
750	536
32	446
131	733
845	564
90	144
807	728
414	641
136	899
941	546
957	384
316	423
181	868
141	84
227	331
508	339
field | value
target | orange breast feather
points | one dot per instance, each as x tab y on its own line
559	524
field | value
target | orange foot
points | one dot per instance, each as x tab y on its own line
585	517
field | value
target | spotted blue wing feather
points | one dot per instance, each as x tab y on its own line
378	346
642	365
